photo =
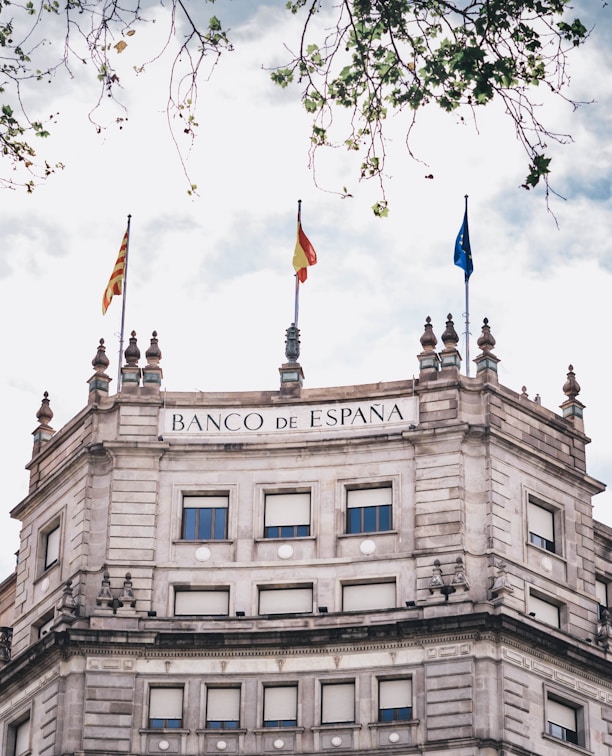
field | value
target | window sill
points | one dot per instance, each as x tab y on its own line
396	724
369	534
164	731
285	538
225	731
264	730
333	726
184	542
566	744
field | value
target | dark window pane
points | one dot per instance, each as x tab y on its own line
205	524
354	520
384	522
220	531
189	524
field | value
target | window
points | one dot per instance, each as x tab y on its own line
204	518
544	610
165	708
203	602
337	703
45	626
395	700
223	708
51	542
368	510
280	706
563	721
368	596
287	515
285	600
601	592
19	738
541	526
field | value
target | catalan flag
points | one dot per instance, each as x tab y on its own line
304	255
115	283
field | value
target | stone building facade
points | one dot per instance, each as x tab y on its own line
396	568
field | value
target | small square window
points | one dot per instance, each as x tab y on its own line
204	518
602	593
223	708
544	610
563	720
45	625
165	708
287	515
395	700
201	602
337	703
368	596
280	706
541	524
368	510
296	600
51	544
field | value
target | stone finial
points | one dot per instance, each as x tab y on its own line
292	343
449	356
291	373
429	362
449	337
572	407
524	394
100	362
486	341
436	582
44	432
132	353
153	353
99	381
603	633
486	361
6	637
127	598
428	339
67	607
501	583
571	387
45	413
460	578
105	594
152	373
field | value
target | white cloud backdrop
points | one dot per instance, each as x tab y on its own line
212	274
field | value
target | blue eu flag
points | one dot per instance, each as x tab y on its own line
463	251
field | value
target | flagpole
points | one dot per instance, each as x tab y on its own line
296	309
467	312
124	297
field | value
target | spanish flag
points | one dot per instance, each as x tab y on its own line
115	283
304	254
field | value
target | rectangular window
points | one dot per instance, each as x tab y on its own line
368	510
204	518
541	523
45	626
544	611
395	700
368	596
601	591
165	708
223	708
19	738
562	721
285	600
337	703
287	515
51	547
280	706
204	602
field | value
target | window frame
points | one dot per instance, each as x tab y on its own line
214	532
288	530
277	723
536	509
217	590
286	589
396	710
165	721
357	516
328	685
13	735
605	587
349	586
579	710
223	724
539	599
50	535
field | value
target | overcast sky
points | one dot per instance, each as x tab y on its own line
212	273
